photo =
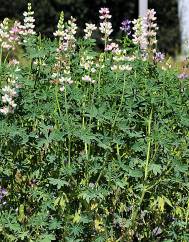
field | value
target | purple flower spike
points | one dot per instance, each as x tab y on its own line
126	26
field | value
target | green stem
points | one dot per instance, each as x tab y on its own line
135	213
121	103
65	99
1	55
99	79
57	100
149	147
69	151
146	170
6	57
187	215
101	172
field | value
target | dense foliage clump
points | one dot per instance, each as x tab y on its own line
93	144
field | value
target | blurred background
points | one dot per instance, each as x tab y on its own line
47	14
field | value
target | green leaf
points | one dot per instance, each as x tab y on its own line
58	182
135	173
47	238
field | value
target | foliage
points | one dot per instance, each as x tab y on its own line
103	160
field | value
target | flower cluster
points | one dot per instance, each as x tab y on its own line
159	57
151	28
105	25
68	36
121	62
105	14
139	36
89	30
145	31
10	90
66	33
87	62
28	27
10	37
9	93
60	27
65	80
67	42
62	73
87	78
112	47
16	33
89	66
183	76
5	35
126	26
62	70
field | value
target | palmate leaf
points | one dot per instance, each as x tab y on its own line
104	146
46	238
100	239
120	183
157	169
137	173
58	182
76	230
179	167
24	235
86	135
55	224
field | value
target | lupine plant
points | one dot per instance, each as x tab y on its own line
94	144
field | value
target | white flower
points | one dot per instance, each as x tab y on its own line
89	30
6	89
62	88
60	30
128	68
130	58
87	78
28	27
12	104
66	80
6	98
115	68
93	70
106	28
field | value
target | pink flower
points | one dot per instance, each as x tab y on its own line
112	47
4	110
104	13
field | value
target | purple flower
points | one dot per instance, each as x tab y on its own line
3	193
126	26
158	57
183	76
